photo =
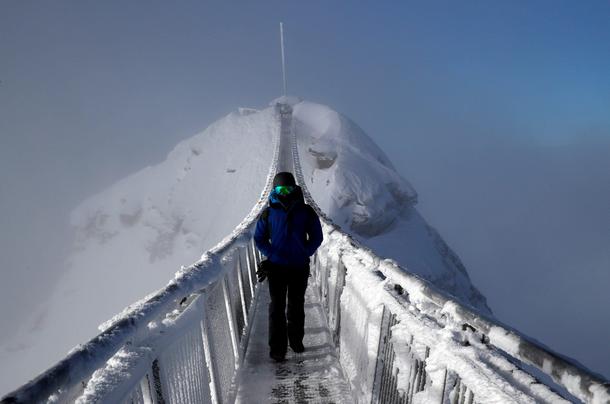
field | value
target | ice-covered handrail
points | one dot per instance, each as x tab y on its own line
65	381
528	362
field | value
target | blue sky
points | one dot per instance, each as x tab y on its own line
498	113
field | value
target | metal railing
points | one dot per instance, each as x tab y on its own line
191	355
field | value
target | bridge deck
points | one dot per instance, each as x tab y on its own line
314	376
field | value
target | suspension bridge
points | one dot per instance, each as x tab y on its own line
374	334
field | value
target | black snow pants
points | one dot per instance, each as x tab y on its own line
286	324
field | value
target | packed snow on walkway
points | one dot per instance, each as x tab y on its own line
133	236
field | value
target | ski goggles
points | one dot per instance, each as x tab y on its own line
284	189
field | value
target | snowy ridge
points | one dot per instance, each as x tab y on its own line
108	352
132	237
354	182
400	335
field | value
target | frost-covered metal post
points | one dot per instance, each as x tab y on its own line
283	55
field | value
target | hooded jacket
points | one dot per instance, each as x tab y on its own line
291	231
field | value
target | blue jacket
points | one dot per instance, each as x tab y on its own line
291	232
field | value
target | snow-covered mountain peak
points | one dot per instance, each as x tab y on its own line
355	183
170	213
206	185
348	175
133	236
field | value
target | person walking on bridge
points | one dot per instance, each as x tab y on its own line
288	232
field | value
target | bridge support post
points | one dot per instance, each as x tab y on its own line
251	267
210	363
246	282
157	388
231	318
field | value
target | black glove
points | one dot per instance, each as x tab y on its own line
264	267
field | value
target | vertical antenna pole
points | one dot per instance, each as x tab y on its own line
283	57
